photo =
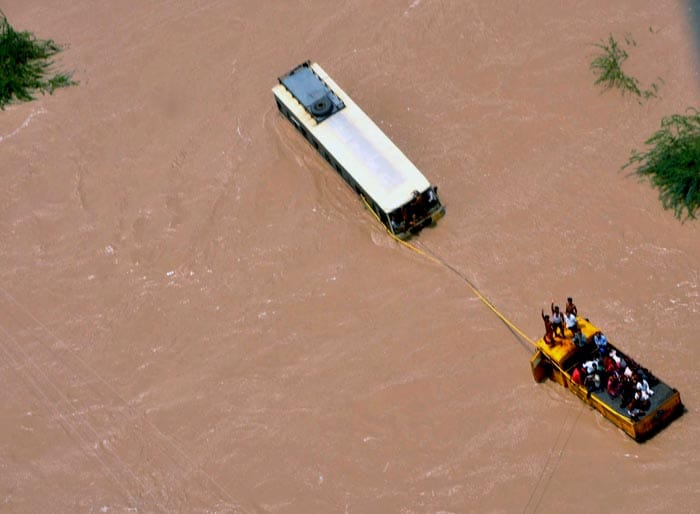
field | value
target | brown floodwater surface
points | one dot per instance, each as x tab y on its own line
198	315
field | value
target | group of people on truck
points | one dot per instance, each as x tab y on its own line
555	324
607	369
620	377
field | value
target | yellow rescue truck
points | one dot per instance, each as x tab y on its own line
560	359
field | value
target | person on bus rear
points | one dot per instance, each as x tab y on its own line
570	307
432	196
557	320
394	225
418	206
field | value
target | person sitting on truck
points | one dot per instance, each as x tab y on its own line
628	388
609	365
614	385
620	362
557	320
601	342
592	382
576	376
579	338
639	404
590	367
642	385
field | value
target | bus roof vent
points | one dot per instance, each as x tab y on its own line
311	92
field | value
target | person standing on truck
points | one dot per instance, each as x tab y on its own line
557	320
570	307
571	323
548	330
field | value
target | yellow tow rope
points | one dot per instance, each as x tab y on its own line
442	262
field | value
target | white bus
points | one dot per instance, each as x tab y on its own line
360	152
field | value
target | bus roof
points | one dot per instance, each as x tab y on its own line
316	97
360	146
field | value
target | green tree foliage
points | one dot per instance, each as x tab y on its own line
608	68
25	65
672	163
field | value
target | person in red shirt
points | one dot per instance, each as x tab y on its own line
614	385
576	376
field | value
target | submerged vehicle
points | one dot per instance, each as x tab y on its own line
398	193
560	360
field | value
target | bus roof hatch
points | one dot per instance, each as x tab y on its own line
311	92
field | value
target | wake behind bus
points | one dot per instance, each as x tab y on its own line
398	193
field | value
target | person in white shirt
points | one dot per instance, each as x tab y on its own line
590	366
570	320
642	386
557	320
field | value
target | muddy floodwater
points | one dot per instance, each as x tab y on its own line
198	316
